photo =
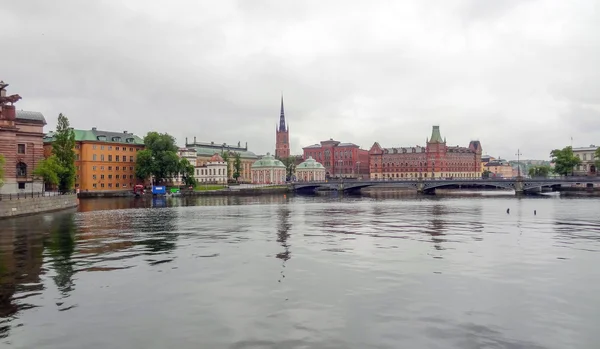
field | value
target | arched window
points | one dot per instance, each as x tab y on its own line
21	169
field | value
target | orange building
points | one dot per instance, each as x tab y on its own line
104	160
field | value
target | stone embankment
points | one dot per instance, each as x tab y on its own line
21	205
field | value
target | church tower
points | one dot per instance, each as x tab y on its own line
282	143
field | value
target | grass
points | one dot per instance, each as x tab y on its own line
201	187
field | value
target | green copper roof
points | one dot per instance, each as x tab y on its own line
436	137
100	136
310	164
268	161
210	150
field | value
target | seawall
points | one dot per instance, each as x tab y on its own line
31	205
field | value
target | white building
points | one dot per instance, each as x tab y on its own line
310	170
588	160
268	170
212	171
190	155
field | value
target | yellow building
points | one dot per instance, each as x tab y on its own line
104	160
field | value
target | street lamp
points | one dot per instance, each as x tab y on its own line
518	154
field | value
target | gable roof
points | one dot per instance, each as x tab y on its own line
100	136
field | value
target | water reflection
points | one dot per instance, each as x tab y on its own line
437	227
60	246
283	234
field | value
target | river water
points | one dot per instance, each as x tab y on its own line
379	271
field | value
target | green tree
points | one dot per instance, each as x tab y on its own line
49	170
187	172
290	166
597	156
227	159
539	171
63	148
159	159
564	161
2	161
486	174
237	166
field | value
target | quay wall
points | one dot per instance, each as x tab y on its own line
14	207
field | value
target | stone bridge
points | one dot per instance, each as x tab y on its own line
519	185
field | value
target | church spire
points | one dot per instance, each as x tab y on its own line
282	116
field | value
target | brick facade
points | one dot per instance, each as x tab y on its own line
435	160
345	160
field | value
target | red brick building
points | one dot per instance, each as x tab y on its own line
435	160
282	142
21	144
345	160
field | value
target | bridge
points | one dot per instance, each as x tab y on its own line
428	186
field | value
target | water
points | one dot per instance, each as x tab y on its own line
388	271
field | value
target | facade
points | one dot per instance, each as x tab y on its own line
104	160
310	170
435	160
500	169
190	155
268	170
344	160
588	161
21	144
205	151
282	133
212	171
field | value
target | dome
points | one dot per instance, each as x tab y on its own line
268	161
216	158
310	164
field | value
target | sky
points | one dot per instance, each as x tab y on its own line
514	74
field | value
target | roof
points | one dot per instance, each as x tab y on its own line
436	137
30	116
496	163
590	148
310	163
100	136
268	161
313	146
347	145
216	158
209	149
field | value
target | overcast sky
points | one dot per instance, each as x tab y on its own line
512	74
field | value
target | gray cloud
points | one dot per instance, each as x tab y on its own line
513	74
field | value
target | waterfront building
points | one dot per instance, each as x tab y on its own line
104	160
310	170
282	133
588	161
212	171
501	169
344	160
205	151
268	170
21	144
435	160
190	155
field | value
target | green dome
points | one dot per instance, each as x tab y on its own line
310	164
268	161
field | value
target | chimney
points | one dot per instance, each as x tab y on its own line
194	139
186	143
125	132
9	112
94	128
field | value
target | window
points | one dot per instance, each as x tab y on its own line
101	168
110	147
101	147
117	185
21	169
21	148
94	157
117	148
130	149
124	168
124	185
76	146
110	158
117	158
101	185
94	146
110	185
94	177
21	185
101	176
130	159
101	157
93	168
130	176
117	176
116	168
109	176
130	168
110	168
76	157
124	158
95	185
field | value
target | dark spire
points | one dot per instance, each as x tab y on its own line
282	117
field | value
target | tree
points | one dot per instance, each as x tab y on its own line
290	166
49	170
2	161
564	160
237	166
539	171
63	148
597	156
226	159
486	174
159	159
187	172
